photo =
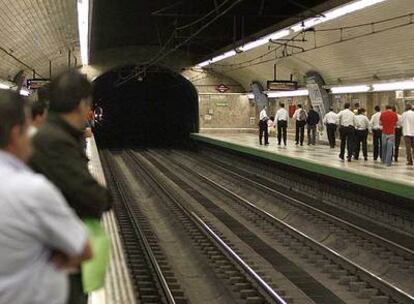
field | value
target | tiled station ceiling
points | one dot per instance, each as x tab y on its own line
384	55
36	32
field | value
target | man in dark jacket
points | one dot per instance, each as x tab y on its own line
59	154
312	121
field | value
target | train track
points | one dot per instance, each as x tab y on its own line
245	284
146	264
359	279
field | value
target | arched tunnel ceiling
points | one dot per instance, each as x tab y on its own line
383	55
36	32
126	23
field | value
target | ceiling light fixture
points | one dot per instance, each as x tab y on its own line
303	25
393	86
24	92
264	40
276	94
335	13
350	89
83	26
4	86
223	56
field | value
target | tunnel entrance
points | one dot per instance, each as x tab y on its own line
159	108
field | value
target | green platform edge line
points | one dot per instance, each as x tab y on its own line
395	188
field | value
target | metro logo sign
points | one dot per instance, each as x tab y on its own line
222	88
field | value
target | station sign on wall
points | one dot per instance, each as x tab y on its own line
281	85
36	83
222	88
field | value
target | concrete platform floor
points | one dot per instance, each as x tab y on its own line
323	155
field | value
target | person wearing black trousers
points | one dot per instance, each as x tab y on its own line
346	120
376	133
282	117
300	117
263	127
361	134
330	120
398	135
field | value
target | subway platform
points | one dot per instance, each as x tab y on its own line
397	179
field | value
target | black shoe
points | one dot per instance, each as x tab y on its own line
356	158
341	157
296	143
409	164
349	160
278	144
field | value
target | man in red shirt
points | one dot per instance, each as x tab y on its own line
388	120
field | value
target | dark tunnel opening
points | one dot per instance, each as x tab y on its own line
158	109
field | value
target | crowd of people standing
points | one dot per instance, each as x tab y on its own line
46	194
387	128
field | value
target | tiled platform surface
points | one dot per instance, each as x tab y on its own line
118	288
398	179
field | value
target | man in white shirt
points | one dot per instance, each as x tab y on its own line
40	236
281	119
300	117
361	134
407	122
376	132
329	121
263	118
346	122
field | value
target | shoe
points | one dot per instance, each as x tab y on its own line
341	157
301	144
296	143
278	144
365	158
261	144
409	164
349	160
356	158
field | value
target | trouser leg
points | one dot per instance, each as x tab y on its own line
297	132
398	135
309	134
302	133
389	146
279	132
357	144
364	143
377	143
262	127
350	141
409	148
284	129
343	141
329	134
76	295
383	147
313	135
266	135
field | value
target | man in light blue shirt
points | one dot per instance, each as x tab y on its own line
40	236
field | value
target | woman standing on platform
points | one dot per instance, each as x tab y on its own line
361	133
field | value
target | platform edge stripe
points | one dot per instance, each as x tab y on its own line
392	187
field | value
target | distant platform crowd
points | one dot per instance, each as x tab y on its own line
387	127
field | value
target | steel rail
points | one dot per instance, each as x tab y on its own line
275	297
394	291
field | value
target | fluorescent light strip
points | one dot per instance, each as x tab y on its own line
335	13
223	56
350	89
393	86
264	40
24	92
329	15
83	26
276	94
